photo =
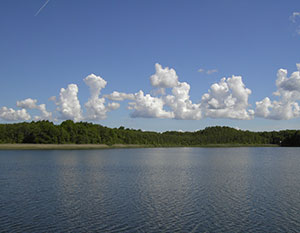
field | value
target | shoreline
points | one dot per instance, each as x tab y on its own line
23	146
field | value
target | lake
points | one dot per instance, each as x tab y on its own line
150	190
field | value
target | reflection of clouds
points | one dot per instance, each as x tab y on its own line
81	187
227	184
153	190
165	189
276	180
183	185
68	182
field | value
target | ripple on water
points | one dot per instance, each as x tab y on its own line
151	190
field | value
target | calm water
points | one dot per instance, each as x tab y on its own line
151	190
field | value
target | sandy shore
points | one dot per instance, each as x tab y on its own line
104	146
63	146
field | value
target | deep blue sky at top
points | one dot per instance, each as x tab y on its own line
122	40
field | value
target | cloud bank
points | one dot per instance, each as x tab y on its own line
227	98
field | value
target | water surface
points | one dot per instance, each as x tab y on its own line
151	190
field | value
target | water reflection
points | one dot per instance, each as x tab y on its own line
151	190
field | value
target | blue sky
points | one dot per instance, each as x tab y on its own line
192	42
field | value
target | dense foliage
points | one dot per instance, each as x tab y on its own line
88	133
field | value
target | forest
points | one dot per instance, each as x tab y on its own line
69	132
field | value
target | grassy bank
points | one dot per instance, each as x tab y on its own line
104	146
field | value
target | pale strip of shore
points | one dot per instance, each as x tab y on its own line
23	146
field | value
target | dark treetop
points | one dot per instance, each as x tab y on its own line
67	132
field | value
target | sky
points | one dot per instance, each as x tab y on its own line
152	65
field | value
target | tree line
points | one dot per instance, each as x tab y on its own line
69	132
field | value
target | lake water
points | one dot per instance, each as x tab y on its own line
151	190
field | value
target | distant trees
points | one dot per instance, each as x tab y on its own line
87	133
291	139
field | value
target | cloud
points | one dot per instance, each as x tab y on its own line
262	108
95	107
95	83
294	16
10	114
180	103
68	104
32	104
119	96
209	72
288	86
52	98
288	92
27	103
164	78
148	107
113	106
227	99
45	114
277	110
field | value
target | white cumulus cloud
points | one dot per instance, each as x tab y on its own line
227	99
27	103
148	107
180	103
45	115
10	114
32	104
164	78
95	107
262	108
68	104
288	93
95	83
